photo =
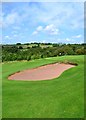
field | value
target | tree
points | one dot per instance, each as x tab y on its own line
20	47
18	43
80	51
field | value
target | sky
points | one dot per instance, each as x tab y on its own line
56	22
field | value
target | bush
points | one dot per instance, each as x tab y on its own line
35	56
28	58
80	51
20	47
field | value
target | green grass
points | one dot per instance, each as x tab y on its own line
61	97
0	90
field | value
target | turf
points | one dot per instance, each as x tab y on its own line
62	97
0	91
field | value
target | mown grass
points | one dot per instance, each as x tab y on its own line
62	97
0	90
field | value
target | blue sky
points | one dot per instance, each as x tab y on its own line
56	22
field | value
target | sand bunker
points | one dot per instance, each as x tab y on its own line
46	72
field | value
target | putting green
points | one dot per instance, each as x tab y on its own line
62	97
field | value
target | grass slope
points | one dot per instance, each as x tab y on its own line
61	97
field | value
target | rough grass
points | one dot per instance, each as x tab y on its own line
62	97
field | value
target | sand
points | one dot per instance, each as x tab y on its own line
46	72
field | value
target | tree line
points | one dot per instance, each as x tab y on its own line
36	51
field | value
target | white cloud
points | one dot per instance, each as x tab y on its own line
34	33
7	37
51	29
10	19
48	13
49	18
39	28
68	39
77	36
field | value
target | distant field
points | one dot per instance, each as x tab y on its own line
31	45
61	97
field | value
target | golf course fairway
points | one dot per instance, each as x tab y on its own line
62	97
